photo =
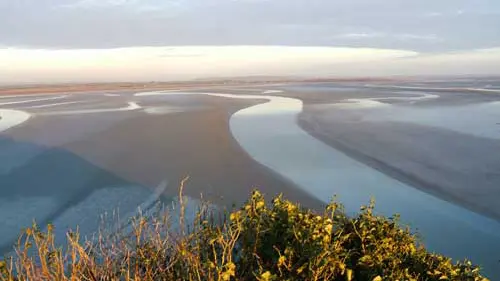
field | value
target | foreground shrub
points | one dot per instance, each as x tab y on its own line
279	241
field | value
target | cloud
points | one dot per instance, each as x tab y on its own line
361	35
434	14
446	14
404	36
473	62
425	37
186	62
126	7
463	12
170	63
128	23
96	4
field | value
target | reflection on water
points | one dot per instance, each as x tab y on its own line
481	119
276	141
270	134
10	118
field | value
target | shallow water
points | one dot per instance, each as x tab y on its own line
10	118
270	134
41	181
478	119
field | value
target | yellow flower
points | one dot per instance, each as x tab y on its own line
266	276
231	269
300	269
326	239
349	275
234	216
328	228
226	276
281	261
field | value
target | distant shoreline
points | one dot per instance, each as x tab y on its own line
90	87
382	84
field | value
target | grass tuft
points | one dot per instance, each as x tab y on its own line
261	241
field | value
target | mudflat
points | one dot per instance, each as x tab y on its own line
150	148
459	163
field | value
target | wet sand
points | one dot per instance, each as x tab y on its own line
171	138
460	166
167	137
469	184
148	149
59	160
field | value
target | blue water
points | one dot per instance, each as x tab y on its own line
276	141
270	134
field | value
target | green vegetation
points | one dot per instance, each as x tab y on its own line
275	241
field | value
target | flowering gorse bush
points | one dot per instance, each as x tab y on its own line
260	241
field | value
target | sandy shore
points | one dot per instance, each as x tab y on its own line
148	149
459	172
56	164
170	136
99	87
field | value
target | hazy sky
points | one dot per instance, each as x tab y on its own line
419	32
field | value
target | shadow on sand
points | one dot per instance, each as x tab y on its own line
50	173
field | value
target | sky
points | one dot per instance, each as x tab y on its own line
125	40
